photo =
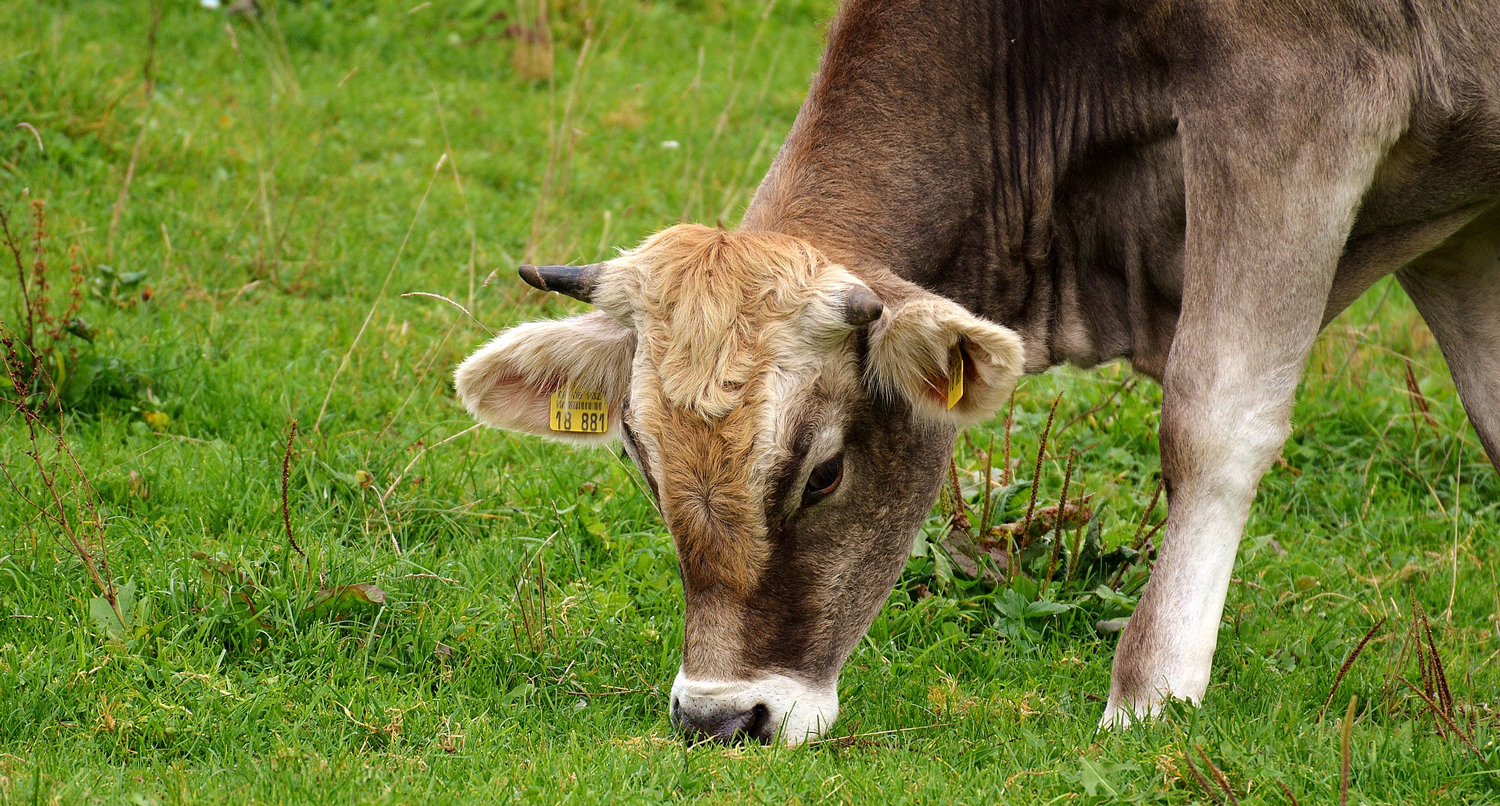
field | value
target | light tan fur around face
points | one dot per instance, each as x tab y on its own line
717	340
732	330
729	358
711	308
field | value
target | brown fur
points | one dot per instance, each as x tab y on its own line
1196	187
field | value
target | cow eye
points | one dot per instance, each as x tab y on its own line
823	480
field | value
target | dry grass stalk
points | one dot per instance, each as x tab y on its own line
694	195
1151	507
531	600
960	519
560	157
1292	799
147	74
1419	400
21	277
1347	729
35	135
522	600
1036	475
1219	776
286	473
380	294
1348	662
1062	508
1202	781
988	509
1436	709
1007	472
865	738
532	56
1435	665
1077	552
1430	665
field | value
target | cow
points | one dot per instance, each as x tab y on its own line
975	190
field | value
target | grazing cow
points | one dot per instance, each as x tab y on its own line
975	189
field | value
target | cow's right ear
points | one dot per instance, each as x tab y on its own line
552	379
950	365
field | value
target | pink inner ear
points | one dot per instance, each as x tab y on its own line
937	389
937	385
971	367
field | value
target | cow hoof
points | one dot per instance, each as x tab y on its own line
1120	715
1122	712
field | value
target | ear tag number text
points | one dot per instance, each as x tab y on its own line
578	411
955	376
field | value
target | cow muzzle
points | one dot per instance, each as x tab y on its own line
768	709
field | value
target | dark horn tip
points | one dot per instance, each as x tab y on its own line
861	307
574	281
533	277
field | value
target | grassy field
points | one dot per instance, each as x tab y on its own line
249	200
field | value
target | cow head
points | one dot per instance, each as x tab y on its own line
794	419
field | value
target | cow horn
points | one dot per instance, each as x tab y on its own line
861	306
576	281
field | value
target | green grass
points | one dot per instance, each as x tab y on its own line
290	186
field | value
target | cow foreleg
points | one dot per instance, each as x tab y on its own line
1216	442
1267	220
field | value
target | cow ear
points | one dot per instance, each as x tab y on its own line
565	379
948	364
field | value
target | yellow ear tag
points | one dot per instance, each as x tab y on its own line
955	376
576	411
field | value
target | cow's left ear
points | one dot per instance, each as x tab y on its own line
948	364
566	379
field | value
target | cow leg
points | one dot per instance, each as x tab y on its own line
1269	209
1457	289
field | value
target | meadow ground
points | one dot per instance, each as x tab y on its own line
249	199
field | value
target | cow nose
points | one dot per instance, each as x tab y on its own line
723	728
765	709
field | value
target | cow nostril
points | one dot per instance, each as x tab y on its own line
747	725
760	717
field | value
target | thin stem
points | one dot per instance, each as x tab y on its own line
286	472
1036	475
1057	523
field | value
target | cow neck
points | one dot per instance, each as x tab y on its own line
997	161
